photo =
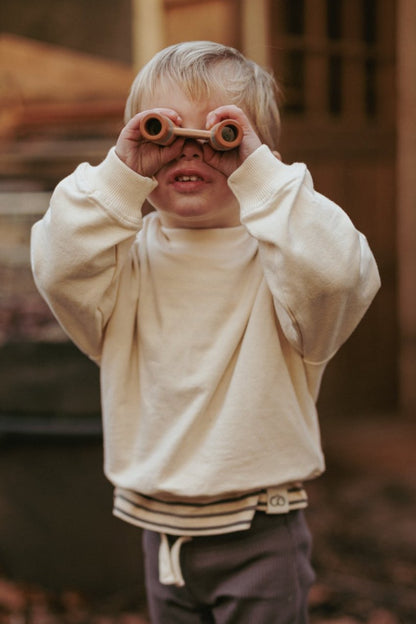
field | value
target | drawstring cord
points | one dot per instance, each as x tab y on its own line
170	572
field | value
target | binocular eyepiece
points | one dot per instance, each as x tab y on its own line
159	129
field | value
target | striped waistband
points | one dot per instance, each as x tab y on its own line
213	518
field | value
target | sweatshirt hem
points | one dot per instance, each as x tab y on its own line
217	518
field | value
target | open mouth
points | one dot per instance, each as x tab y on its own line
188	178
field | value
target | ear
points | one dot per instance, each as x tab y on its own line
277	154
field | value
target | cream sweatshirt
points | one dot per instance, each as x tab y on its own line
211	343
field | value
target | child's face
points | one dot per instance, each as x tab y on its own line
190	192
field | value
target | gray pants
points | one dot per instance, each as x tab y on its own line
259	576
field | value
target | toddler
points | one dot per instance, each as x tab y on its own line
212	319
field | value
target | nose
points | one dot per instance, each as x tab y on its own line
191	149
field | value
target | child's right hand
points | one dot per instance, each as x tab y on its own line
145	157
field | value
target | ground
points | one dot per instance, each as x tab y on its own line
363	518
362	515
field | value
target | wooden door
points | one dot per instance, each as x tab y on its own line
335	60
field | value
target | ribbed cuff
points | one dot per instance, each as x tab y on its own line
120	190
260	178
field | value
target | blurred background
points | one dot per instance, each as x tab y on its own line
348	74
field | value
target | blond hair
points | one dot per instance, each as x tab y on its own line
201	68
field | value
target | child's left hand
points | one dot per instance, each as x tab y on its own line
227	162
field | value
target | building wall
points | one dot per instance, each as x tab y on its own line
337	64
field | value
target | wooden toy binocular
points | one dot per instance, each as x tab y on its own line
159	129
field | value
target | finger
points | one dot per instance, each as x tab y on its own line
229	111
167	112
165	154
224	162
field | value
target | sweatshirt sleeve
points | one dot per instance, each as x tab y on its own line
83	243
318	266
